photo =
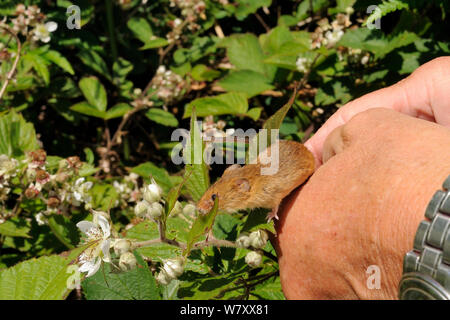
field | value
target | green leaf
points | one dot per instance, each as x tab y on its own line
117	111
155	42
247	7
196	171
303	10
229	103
136	284
87	109
201	226
58	59
94	92
247	81
375	41
93	60
141	29
254	113
162	117
202	73
15	227
39	64
245	53
37	279
257	219
176	228
65	230
16	135
161	176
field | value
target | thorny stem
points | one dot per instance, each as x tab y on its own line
16	61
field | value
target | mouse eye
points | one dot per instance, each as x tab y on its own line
213	197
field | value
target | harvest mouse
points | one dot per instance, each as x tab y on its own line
244	187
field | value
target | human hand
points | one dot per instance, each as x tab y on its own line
363	205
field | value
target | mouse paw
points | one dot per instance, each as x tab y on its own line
272	214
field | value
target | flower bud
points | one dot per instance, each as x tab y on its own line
243	241
189	209
163	278
253	259
177	208
121	246
141	208
258	239
152	193
174	267
30	174
156	210
127	261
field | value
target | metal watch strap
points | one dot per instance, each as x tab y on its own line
426	269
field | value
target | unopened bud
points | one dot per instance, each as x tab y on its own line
152	193
53	202
243	241
253	259
156	210
122	246
258	239
172	269
127	261
189	209
141	208
177	209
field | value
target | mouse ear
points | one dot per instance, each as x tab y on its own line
243	184
230	169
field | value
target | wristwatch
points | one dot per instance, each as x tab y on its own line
426	269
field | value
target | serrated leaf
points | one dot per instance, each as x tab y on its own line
16	135
58	59
87	109
162	117
155	42
117	111
136	284
65	230
37	279
39	64
229	103
15	227
140	28
246	81
94	92
93	60
161	176
196	171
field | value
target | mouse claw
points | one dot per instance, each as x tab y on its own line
273	214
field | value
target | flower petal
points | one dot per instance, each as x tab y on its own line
51	26
85	226
94	269
104	224
105	248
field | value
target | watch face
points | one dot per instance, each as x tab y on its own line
418	286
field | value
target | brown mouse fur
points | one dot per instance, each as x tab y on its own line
244	187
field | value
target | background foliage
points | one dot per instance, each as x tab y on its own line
112	92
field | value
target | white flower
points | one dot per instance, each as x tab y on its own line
333	37
253	259
7	166
97	237
40	219
42	31
302	64
80	192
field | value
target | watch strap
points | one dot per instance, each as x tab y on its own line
426	269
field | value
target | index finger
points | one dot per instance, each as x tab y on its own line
424	94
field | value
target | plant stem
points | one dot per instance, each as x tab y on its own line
16	61
110	22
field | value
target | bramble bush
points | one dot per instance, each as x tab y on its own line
92	205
